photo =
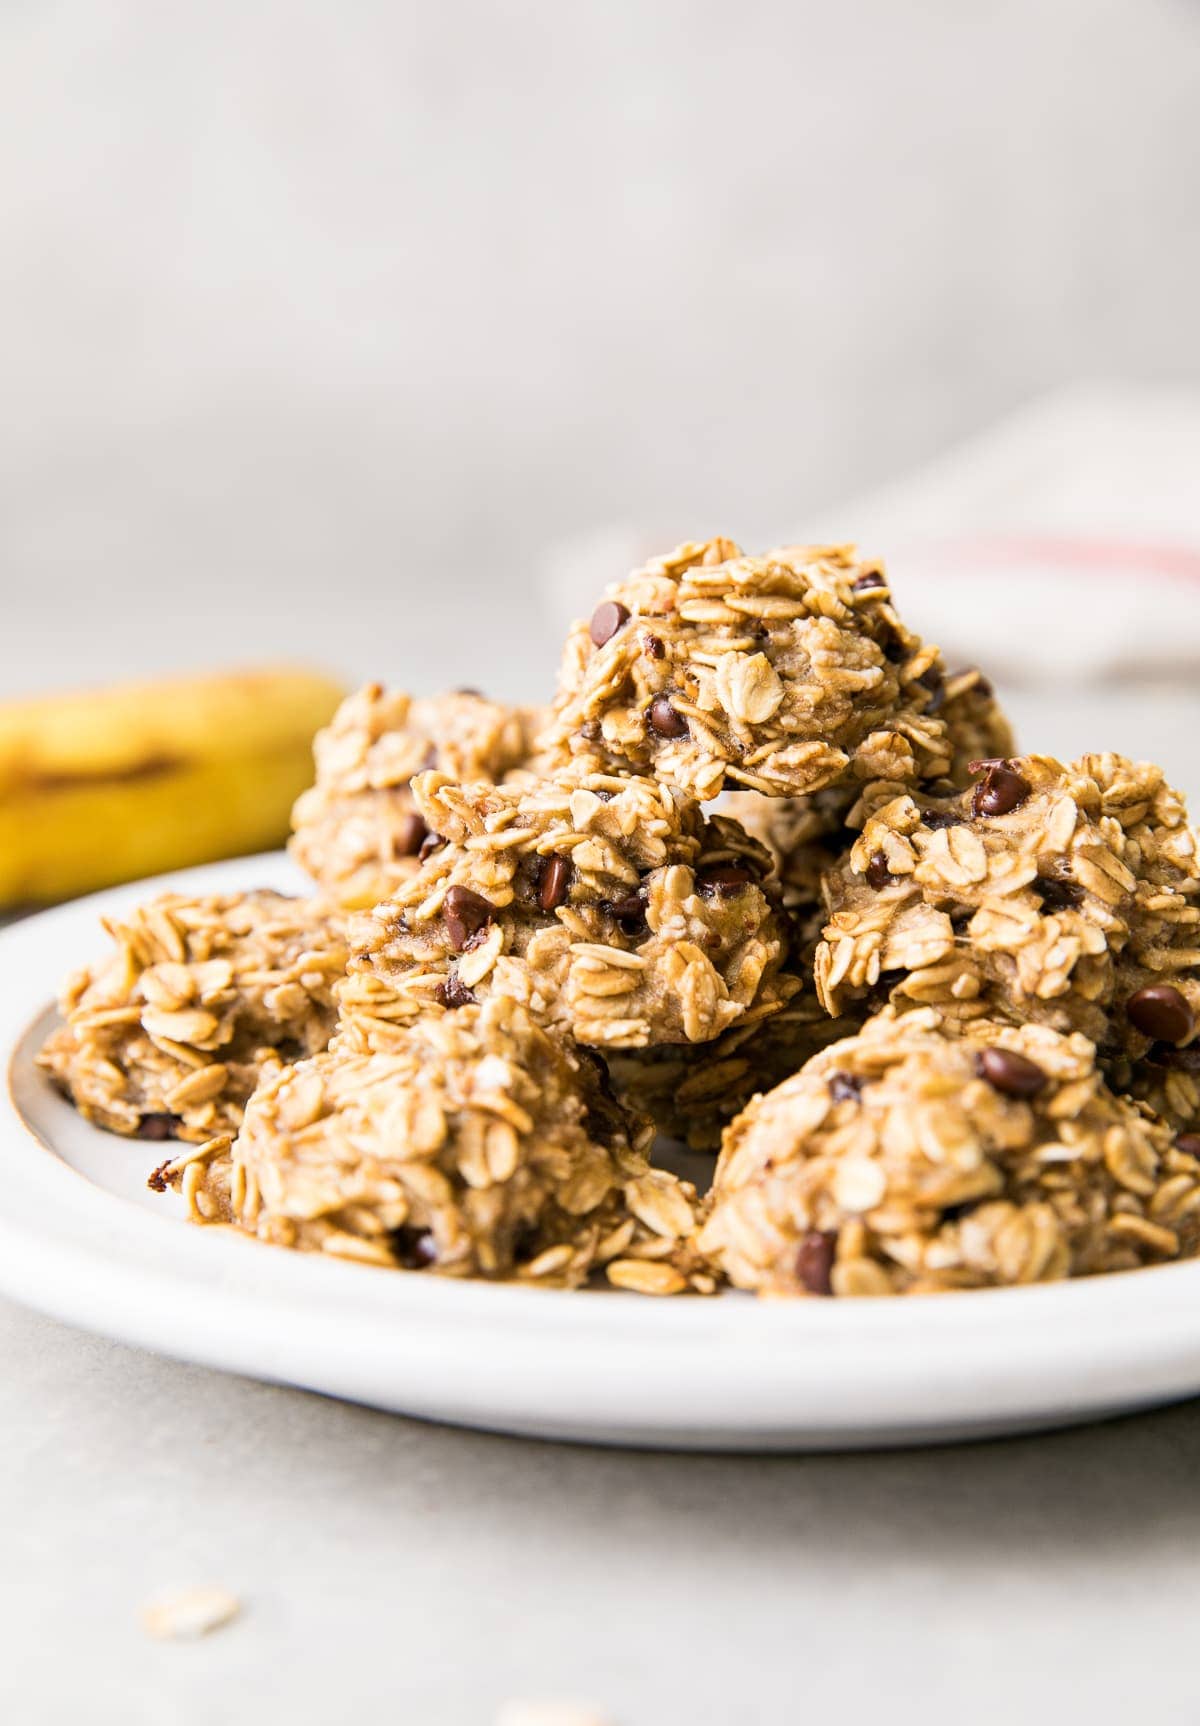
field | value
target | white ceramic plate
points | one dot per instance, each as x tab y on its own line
81	1238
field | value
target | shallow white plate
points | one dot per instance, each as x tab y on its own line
83	1239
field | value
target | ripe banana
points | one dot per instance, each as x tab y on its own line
114	784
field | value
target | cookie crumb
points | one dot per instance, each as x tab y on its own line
188	1613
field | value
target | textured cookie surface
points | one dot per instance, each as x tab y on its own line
908	1159
1062	895
201	998
785	673
610	906
479	1145
357	829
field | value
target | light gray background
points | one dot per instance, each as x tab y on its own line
323	324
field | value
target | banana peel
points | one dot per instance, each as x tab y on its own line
113	784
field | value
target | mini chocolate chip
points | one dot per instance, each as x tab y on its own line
664	719
1009	1073
845	1088
590	730
654	647
1188	1143
1058	895
1001	790
454	992
413	1249
555	882
1179	1060
937	819
878	873
158	1127
722	879
606	620
1161	1012
874	578
814	1261
629	914
411	834
432	842
465	913
935	683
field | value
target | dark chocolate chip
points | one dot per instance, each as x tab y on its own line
158	1127
937	819
1009	1073
454	992
1188	1143
432	842
894	650
935	683
413	1249
606	620
874	578
814	1261
663	718
629	914
722	879
845	1088
411	834
1001	790
1161	1012
1058	895
465	913
878	873
654	647
555	882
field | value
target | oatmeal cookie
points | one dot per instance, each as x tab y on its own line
806	836
1066	896
478	1145
610	906
692	1090
202	998
910	1159
357	831
785	674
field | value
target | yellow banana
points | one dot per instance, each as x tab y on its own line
113	784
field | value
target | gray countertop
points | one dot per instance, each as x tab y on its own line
415	1573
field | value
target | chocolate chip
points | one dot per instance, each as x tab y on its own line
654	647
894	650
1161	1012
158	1127
158	1181
935	683
413	1249
1001	790
878	873
1009	1073
867	583
814	1261
629	914
555	882
722	879
1058	895
606	620
845	1088
411	834
465	913
1179	1060
469	689
1188	1143
454	992
432	842
937	819
664	719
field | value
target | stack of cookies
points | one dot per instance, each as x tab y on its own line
766	878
